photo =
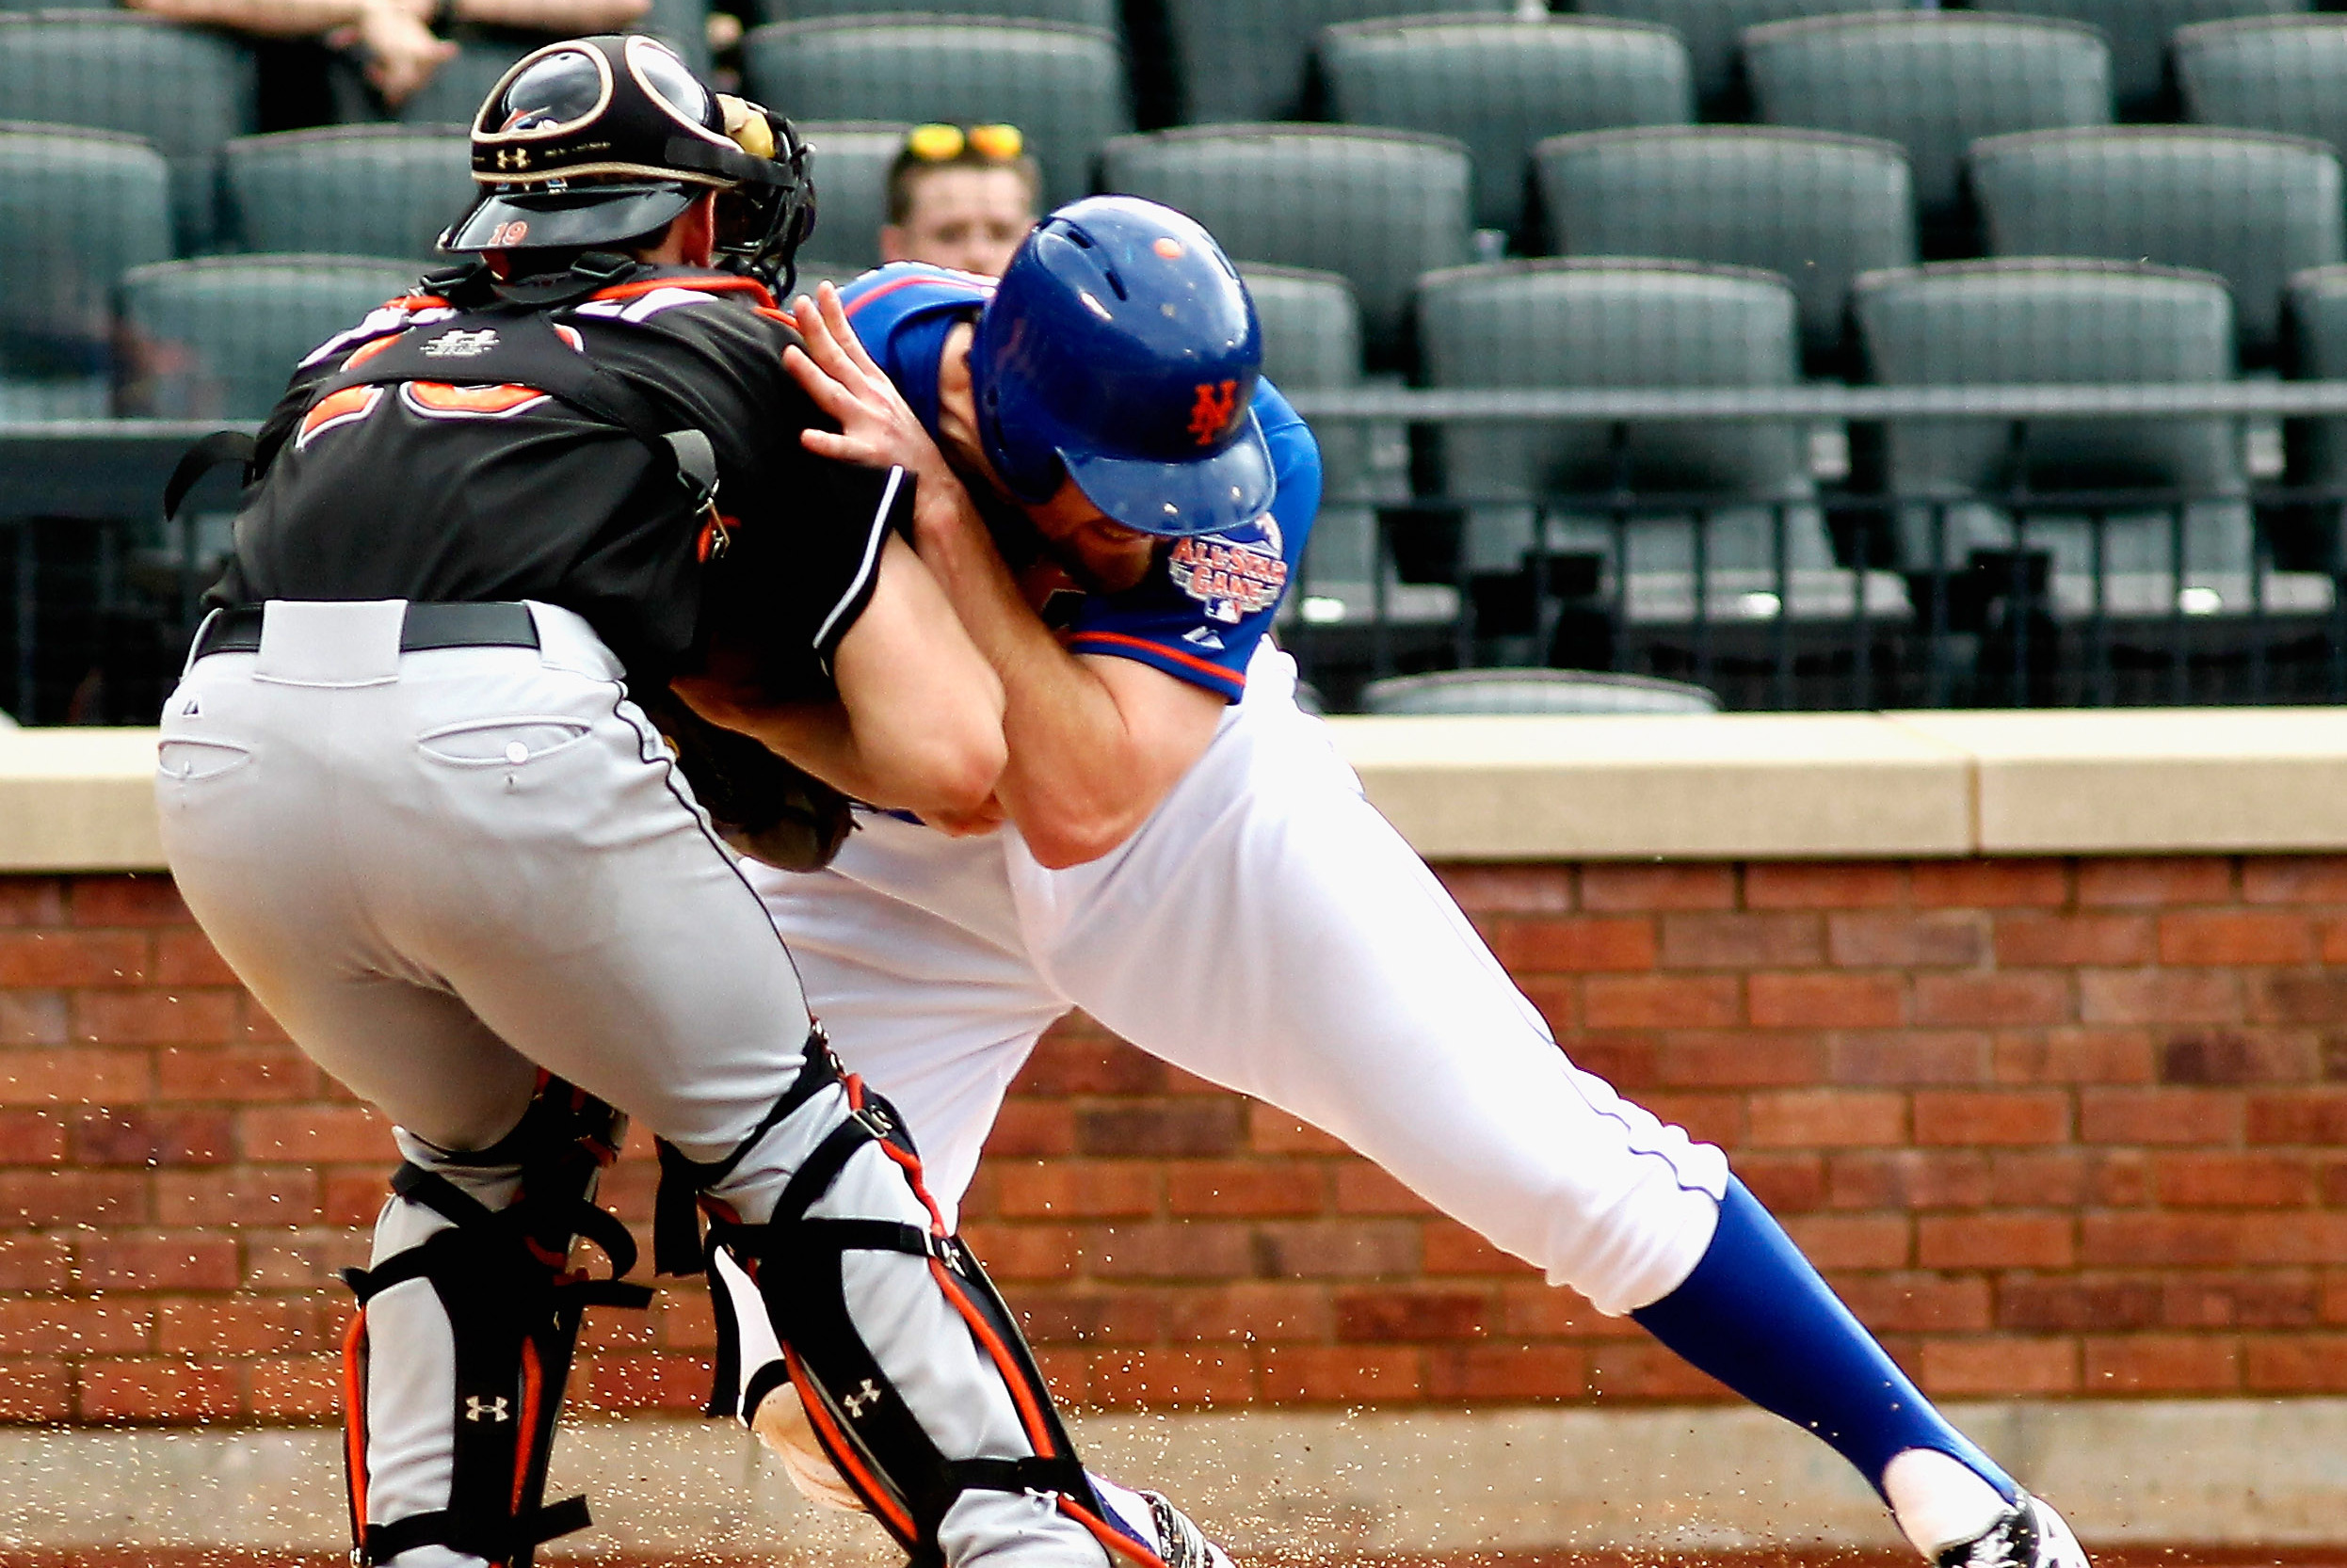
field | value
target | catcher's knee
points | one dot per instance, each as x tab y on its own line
796	1365
502	1278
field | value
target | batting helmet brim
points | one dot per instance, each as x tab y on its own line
1203	495
569	220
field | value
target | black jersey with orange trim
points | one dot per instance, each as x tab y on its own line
427	490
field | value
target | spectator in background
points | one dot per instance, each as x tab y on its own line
398	42
962	197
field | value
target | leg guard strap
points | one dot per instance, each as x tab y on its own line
513	1307
676	1223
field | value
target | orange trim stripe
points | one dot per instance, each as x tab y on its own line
1109	1535
706	285
355	1416
835	1444
978	297
1118	639
1030	1413
525	1440
369	349
415	302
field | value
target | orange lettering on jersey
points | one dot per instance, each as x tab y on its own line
1214	411
439	399
346	407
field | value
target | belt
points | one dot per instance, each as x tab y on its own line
495	623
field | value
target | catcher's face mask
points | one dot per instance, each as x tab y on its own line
598	141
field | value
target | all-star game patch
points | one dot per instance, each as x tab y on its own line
1233	574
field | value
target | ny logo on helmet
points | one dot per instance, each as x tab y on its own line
458	343
1215	411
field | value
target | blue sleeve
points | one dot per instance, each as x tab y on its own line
1208	600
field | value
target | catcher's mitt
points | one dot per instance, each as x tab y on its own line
765	806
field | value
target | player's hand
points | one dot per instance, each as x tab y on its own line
399	50
877	428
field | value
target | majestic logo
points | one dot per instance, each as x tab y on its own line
868	1393
1232	577
458	343
478	1409
1217	408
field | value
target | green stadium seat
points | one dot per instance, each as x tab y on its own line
454	92
1380	207
219	338
186	89
684	26
1612	324
851	162
2318	329
1933	82
1064	87
1103	14
352	190
2053	321
1500	85
1247	60
1534	691
81	208
1817	207
2251	207
2285	73
1713	33
2138	32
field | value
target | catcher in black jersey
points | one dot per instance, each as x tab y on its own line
409	786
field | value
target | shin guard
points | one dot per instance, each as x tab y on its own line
795	1264
513	1304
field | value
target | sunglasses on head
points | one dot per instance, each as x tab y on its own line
940	143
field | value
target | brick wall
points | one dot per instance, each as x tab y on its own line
2052	1128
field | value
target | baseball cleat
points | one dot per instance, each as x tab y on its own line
1179	1542
2027	1535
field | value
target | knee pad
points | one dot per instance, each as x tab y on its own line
788	1273
513	1305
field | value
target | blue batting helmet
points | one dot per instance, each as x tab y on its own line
1121	348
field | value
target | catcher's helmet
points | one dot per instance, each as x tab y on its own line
1121	348
594	141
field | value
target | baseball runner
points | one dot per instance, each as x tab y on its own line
1186	859
406	789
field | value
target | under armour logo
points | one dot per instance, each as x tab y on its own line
513	158
477	1409
458	343
868	1393
1211	415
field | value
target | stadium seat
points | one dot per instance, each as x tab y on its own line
2008	322
851	169
1103	14
1243	60
1378	206
1713	33
2138	32
184	90
1064	87
1533	691
81	208
1729	486
1817	207
2251	207
1500	85
1931	82
353	191
2284	74
219	338
2317	319
684	26
453	93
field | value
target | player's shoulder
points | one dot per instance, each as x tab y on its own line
894	294
714	309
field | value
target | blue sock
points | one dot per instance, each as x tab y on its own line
1755	1315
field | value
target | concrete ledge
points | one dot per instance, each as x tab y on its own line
2220	1472
1793	786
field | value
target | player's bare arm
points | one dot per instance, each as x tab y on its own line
1094	742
